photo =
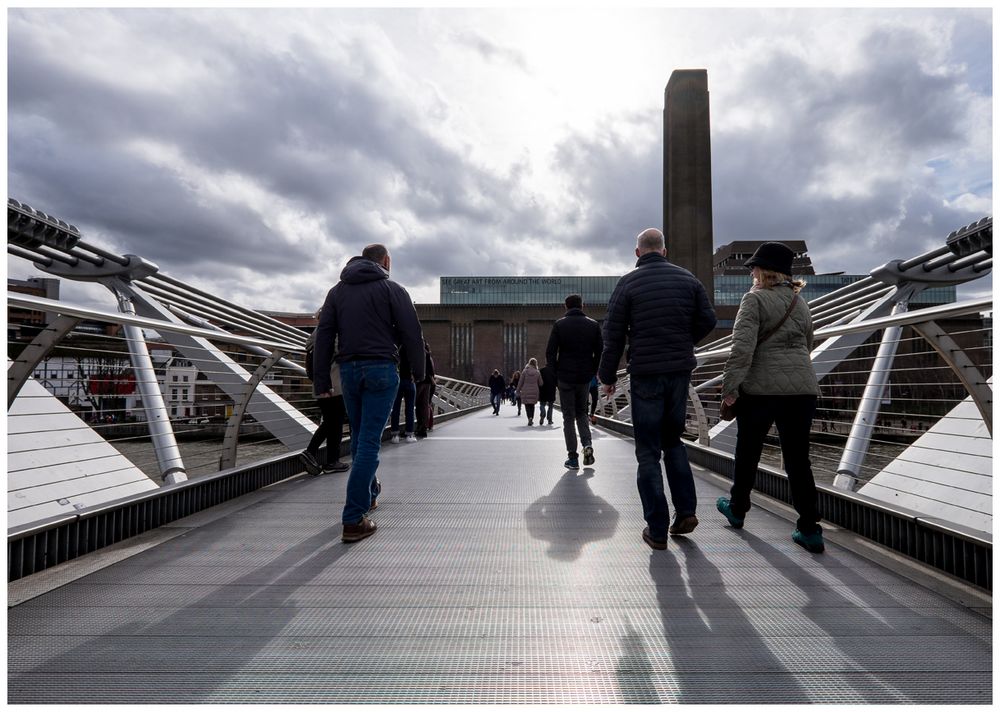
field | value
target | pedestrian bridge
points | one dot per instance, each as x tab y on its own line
496	576
147	567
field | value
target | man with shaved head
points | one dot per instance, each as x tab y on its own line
660	311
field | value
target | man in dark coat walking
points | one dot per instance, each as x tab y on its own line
574	351
662	311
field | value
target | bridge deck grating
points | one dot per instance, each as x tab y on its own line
496	577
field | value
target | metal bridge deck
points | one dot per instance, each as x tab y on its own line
496	576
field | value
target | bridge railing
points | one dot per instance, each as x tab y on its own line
76	413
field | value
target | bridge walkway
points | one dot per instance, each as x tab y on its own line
496	576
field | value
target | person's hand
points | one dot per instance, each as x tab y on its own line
327	394
608	389
730	399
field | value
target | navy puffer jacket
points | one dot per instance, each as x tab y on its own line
661	311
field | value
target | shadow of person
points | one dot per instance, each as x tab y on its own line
634	669
714	652
869	624
225	629
570	517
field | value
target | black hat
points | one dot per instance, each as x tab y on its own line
773	256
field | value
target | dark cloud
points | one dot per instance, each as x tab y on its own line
256	170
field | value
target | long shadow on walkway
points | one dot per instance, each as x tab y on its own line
164	664
571	516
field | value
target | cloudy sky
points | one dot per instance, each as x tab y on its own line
252	152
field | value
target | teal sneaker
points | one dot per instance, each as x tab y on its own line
572	463
724	506
809	542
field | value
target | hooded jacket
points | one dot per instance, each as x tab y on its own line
370	317
662	311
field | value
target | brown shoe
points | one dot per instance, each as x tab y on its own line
654	543
357	532
683	525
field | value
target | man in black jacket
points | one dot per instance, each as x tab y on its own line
370	317
574	351
662	311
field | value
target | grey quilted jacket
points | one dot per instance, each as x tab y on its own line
780	365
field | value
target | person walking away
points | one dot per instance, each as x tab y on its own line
497	388
331	424
405	396
425	389
770	379
661	311
547	394
369	317
515	399
574	351
594	396
528	387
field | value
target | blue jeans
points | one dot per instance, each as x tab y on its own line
495	400
658	406
369	390
407	394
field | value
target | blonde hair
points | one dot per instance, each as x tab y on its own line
769	279
533	362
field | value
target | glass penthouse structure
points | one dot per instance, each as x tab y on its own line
728	289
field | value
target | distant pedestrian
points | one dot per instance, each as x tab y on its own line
406	396
369	317
770	378
497	388
425	391
331	425
515	398
661	311
528	387
547	394
574	351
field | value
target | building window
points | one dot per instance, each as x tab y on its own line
174	379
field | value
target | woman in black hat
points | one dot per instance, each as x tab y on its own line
770	379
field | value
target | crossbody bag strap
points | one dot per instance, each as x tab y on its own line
771	333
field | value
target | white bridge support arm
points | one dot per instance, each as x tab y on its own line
970	376
280	418
20	370
858	442
231	438
161	432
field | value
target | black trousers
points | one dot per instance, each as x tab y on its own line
424	415
331	428
793	416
